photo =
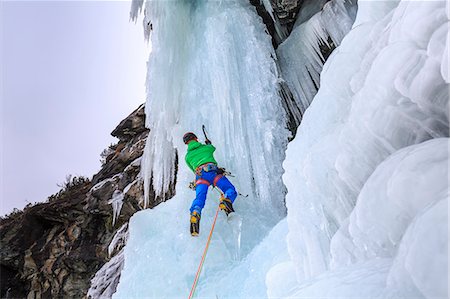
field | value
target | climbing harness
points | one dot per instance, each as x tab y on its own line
205	251
193	184
207	167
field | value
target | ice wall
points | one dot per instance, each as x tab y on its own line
384	89
300	56
367	174
212	63
205	69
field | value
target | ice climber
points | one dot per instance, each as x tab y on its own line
200	159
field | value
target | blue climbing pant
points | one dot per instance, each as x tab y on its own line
201	189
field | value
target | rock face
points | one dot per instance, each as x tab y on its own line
285	14
53	249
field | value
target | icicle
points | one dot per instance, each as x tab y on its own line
281	31
105	281
116	202
207	68
300	56
119	240
136	8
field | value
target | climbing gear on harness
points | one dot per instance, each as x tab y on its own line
207	167
223	171
195	223
200	266
188	137
226	205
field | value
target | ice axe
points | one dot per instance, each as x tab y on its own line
207	141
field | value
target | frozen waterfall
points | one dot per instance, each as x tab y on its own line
366	176
363	212
206	68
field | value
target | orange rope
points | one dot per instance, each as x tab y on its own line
203	256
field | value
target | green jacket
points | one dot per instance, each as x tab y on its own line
198	154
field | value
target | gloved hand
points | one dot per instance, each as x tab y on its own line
207	141
192	185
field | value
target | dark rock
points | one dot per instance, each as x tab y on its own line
53	249
125	152
285	14
131	126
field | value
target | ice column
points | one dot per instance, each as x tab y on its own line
206	69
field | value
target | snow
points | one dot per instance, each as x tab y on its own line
281	30
104	282
366	175
119	240
101	184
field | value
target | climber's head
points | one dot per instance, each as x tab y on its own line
188	137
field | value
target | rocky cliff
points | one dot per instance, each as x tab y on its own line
53	249
280	16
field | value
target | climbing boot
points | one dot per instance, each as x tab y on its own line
195	223
226	206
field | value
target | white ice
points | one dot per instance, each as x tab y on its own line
104	283
357	194
207	68
116	202
300	57
366	175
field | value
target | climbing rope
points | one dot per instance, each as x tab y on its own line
194	285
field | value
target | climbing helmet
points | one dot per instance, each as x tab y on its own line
188	137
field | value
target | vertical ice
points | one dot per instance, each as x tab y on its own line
206	68
116	202
350	170
363	145
300	56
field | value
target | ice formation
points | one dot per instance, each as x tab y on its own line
300	56
196	70
366	175
206	68
385	88
116	202
104	282
281	32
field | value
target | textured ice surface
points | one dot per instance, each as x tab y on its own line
119	240
300	56
207	68
397	241
104	283
116	202
366	174
382	90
